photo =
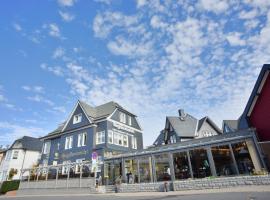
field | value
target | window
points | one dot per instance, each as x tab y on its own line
65	167
110	137
77	118
8	155
129	120
163	172
68	143
181	166
122	117
100	137
54	163
77	167
82	139
125	140
118	139
200	163
134	142
15	154
46	147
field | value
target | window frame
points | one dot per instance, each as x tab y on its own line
134	142
76	121
13	154
100	137
82	137
69	142
122	117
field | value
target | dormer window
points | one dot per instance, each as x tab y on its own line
122	117
129	121
77	118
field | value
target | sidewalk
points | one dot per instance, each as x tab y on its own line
252	188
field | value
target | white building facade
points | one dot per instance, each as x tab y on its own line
24	153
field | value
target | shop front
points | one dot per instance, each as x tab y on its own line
217	156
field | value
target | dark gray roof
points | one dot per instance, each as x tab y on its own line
207	119
101	111
95	113
184	126
27	143
232	124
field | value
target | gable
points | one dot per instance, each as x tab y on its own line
84	119
206	130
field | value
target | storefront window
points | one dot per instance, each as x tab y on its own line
162	166
117	169
131	171
181	167
145	169
242	157
200	163
223	160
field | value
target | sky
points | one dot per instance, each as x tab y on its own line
152	57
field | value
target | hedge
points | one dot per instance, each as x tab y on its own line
9	186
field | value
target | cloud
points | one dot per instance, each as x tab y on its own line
58	52
37	89
235	39
66	3
58	71
40	99
126	48
67	17
12	131
53	30
60	109
17	27
104	23
248	15
216	6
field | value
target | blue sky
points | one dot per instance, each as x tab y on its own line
152	57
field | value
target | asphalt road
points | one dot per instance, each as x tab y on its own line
212	196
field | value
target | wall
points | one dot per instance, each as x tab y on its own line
199	184
206	127
260	116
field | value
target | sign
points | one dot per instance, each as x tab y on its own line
94	161
122	127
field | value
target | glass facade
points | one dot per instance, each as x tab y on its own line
200	163
162	167
181	165
131	171
242	157
223	160
145	169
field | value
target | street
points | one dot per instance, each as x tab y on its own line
170	196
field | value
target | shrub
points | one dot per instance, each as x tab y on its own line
9	186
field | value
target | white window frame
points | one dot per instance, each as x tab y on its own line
100	137
82	137
129	120
125	140
110	136
15	154
46	147
65	168
69	142
77	118
77	166
122	117
134	142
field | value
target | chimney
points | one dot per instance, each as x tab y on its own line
182	114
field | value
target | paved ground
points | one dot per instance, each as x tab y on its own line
213	196
240	193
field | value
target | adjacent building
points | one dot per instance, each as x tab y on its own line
185	127
256	113
23	153
89	132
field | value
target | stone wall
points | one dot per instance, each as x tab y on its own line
199	184
61	183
